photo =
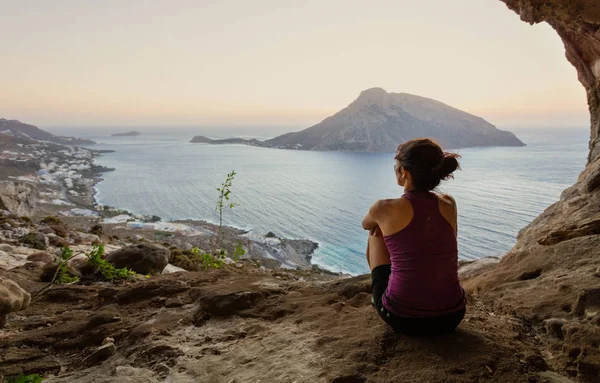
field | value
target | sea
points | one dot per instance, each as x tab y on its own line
323	196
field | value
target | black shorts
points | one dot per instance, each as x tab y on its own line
409	325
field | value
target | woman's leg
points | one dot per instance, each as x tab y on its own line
377	252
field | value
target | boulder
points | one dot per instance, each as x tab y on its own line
41	257
17	197
12	298
60	230
144	258
85	238
8	260
172	269
57	241
101	353
36	240
49	271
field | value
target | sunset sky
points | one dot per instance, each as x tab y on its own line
275	62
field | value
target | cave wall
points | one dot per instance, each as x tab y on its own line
577	22
551	277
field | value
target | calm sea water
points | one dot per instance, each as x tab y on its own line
323	196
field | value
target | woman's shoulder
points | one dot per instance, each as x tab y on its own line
447	198
389	204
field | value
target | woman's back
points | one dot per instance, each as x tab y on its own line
424	257
412	250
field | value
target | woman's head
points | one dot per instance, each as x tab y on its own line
424	163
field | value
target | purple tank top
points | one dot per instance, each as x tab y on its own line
424	280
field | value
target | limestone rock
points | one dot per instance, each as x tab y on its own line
12	298
152	288
36	240
57	241
17	197
85	238
14	256
549	272
41	257
215	303
469	269
172	269
143	258
103	317
101	353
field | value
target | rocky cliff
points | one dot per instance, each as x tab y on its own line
18	197
552	275
378	121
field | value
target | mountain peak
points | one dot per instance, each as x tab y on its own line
372	96
372	92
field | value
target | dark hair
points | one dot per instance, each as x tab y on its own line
427	163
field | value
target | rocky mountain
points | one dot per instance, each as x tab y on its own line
377	121
127	134
18	129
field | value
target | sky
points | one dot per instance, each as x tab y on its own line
275	62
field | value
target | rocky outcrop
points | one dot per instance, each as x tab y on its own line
242	324
551	277
144	258
36	240
17	197
12	298
377	121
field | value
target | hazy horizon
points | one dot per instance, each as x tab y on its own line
275	66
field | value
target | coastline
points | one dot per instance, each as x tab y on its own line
72	193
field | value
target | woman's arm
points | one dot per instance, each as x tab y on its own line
454	211
370	221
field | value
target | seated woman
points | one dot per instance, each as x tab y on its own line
412	249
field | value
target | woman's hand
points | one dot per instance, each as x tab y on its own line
376	231
370	220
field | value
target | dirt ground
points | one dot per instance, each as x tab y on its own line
245	324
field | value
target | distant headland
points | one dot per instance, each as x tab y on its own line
18	129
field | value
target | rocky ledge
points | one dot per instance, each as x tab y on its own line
241	322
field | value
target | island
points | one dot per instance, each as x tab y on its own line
377	121
132	133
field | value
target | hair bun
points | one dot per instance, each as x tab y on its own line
448	165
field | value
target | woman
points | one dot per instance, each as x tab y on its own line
412	249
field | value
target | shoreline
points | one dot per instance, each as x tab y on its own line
73	194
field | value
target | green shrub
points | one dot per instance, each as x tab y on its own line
32	240
239	251
26	219
62	274
52	220
33	378
223	201
208	260
107	269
